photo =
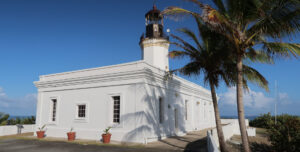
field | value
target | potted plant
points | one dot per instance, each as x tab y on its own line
106	135
41	132
71	135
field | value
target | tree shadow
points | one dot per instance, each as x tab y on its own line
171	144
147	118
197	146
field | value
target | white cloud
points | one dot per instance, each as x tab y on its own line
256	103
2	92
252	99
17	106
284	98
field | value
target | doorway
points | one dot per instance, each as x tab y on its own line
176	119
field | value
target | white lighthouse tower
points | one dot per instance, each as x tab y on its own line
155	45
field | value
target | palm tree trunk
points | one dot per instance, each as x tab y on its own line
240	105
222	142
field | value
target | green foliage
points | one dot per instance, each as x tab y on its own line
18	120
106	131
262	121
4	120
42	128
285	134
29	120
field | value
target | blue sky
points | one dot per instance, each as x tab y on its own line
50	36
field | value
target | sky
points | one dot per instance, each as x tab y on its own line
51	36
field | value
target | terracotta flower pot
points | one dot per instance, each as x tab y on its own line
71	136
106	138
40	134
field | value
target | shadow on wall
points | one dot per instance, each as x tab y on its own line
147	120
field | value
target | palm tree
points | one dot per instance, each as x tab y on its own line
210	58
253	27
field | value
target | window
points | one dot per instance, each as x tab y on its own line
116	109
204	110
186	110
54	104
161	112
81	111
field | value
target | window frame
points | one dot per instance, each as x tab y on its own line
113	109
161	110
82	119
81	112
50	121
54	110
110	111
186	103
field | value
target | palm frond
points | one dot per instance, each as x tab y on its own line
277	18
220	6
255	77
192	68
191	34
185	45
259	56
197	2
178	54
177	12
281	49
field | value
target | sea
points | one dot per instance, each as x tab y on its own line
236	117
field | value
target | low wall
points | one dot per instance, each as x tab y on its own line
231	127
14	129
235	121
211	144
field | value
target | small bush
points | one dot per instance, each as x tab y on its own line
262	121
285	134
3	118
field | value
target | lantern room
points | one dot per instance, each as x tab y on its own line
154	23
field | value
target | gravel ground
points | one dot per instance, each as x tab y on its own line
192	142
30	145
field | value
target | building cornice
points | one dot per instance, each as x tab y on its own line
90	79
145	73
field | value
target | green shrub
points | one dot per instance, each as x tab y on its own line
285	134
3	118
262	121
18	120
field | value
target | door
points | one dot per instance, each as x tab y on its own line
198	116
176	119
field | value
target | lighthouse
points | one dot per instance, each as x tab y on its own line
155	44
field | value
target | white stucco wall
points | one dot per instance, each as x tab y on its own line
140	85
13	129
211	143
231	127
155	52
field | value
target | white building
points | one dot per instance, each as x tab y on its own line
134	98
